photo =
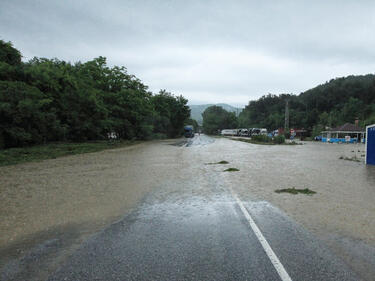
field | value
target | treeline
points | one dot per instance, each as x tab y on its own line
332	104
216	118
46	100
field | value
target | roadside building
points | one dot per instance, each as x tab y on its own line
298	133
347	133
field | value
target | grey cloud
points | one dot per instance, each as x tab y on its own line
209	51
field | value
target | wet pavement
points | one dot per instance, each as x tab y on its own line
200	241
189	226
196	231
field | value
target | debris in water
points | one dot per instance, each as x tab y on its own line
216	163
354	158
231	170
295	191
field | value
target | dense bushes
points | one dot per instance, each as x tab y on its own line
266	139
279	139
51	100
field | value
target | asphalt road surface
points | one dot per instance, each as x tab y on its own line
197	228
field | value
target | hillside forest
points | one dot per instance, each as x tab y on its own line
334	103
331	104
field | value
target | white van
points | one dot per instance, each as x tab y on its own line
263	131
229	132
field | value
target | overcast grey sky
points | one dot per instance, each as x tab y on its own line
208	51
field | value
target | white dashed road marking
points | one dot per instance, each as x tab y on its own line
267	248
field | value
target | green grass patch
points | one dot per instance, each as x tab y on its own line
295	191
223	162
231	170
13	156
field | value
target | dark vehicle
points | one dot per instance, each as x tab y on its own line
189	131
318	138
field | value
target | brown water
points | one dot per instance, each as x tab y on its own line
73	197
345	189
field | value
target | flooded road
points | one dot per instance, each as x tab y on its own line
177	217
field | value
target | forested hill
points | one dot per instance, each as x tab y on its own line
197	110
52	100
331	104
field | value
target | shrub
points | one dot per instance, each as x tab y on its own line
261	138
279	139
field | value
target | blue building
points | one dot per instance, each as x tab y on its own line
347	133
370	144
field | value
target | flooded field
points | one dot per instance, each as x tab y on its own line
72	197
345	189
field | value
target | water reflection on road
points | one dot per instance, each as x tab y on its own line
199	139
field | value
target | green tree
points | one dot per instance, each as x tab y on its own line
49	99
9	54
24	115
171	113
216	118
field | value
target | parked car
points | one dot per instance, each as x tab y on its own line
255	131
229	132
318	138
243	132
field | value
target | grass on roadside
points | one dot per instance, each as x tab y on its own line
231	170
13	156
223	162
295	191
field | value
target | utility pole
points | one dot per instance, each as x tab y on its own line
286	125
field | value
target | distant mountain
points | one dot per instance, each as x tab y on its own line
197	110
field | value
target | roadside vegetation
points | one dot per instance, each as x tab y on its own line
268	140
51	100
18	155
295	191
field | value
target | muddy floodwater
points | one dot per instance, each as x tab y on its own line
69	198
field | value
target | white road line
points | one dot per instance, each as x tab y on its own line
267	248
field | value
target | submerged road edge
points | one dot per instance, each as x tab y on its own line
267	248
